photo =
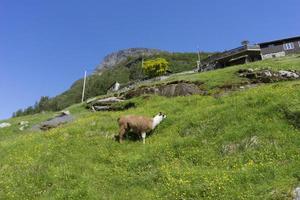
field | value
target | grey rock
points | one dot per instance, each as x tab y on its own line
268	76
4	125
109	104
114	87
168	90
108	100
297	193
267	73
101	108
53	123
65	112
91	100
23	123
288	74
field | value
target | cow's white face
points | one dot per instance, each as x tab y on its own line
157	119
162	115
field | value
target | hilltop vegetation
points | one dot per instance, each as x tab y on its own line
126	71
241	144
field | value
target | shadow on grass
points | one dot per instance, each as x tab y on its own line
293	117
132	137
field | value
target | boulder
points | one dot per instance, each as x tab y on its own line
100	108
53	123
109	100
23	123
268	76
288	74
267	73
65	112
297	193
109	104
250	70
4	125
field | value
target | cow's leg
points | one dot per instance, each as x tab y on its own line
144	137
121	134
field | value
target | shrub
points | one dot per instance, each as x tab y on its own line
156	67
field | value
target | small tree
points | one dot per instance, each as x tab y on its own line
156	67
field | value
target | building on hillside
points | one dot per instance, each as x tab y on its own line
114	87
251	53
278	48
244	54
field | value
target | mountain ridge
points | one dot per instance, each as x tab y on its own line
117	57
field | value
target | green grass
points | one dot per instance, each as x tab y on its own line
227	76
185	158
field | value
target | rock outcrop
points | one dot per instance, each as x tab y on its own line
171	89
118	57
23	125
63	118
268	76
4	125
109	104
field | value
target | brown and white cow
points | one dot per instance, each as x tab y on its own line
140	125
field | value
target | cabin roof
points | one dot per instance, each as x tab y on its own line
280	40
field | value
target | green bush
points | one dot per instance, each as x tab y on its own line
156	67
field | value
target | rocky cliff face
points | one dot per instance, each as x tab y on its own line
118	57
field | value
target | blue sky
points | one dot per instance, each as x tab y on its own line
46	45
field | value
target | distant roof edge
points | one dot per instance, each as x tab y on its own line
280	40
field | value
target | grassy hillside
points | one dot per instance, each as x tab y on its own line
127	71
242	145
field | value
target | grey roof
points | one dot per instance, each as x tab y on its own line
280	40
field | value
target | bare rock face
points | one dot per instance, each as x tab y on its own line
61	119
118	57
168	90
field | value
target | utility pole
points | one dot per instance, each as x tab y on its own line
83	88
199	60
143	61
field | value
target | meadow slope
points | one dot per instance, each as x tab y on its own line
242	144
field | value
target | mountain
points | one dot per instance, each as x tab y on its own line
118	57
